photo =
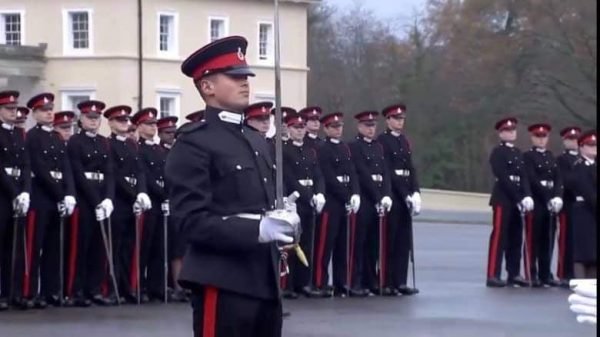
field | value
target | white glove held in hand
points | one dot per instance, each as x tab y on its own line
386	203
165	208
318	202
278	225
21	204
416	203
107	206
143	200
527	204
355	203
100	213
584	301
555	205
69	202
62	209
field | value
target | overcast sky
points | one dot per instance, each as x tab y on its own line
385	8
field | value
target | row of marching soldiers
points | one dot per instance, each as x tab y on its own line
355	201
536	194
83	218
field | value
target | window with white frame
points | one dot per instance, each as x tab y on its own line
77	31
265	42
168	34
70	98
168	104
11	28
218	28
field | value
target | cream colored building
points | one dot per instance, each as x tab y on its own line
84	49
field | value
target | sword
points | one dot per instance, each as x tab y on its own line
14	256
138	219
412	249
109	257
165	243
527	261
348	257
110	247
61	264
312	248
381	214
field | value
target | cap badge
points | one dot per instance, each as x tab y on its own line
263	109
399	110
300	119
541	129
509	123
151	115
11	98
593	138
45	100
336	118
122	112
240	55
19	114
93	108
314	112
65	118
573	131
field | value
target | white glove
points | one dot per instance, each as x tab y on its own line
62	209
555	205
584	301
137	208
100	213
355	203
318	202
21	204
144	201
409	202
165	208
416	203
278	225
69	202
108	207
386	203
289	202
527	204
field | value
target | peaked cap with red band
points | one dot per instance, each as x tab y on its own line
540	129
394	110
588	138
570	132
63	117
144	115
227	55
22	112
508	123
44	100
9	97
117	111
91	107
285	111
335	117
257	110
311	112
195	116
294	119
367	116
167	123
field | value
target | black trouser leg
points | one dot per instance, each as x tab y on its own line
148	244
542	235
156	253
514	242
300	273
43	219
565	245
371	256
339	241
97	267
501	220
123	221
6	232
367	215
78	249
327	235
219	313
50	261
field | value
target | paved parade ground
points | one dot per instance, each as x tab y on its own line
454	302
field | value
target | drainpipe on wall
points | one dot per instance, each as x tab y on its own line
140	56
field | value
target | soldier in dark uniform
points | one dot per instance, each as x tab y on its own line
63	124
15	188
258	117
221	179
547	189
585	208
343	202
195	116
301	174
22	113
132	133
167	127
406	197
510	197
375	187
565	161
53	201
130	197
93	172
153	161
312	115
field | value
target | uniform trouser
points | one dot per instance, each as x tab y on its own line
398	241
331	238
9	278
154	250
45	252
369	220
564	269
540	231
299	275
123	221
220	313
506	240
361	228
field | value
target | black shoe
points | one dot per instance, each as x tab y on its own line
145	298
55	301
327	291
407	291
100	300
130	298
536	284
80	301
22	303
311	292
517	282
3	304
357	292
495	283
564	284
390	292
68	302
290	295
179	296
551	282
342	292
39	303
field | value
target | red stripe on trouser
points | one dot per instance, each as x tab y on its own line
529	238
383	262
352	230
133	281
104	284
497	230
30	237
321	250
73	251
562	245
210	312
